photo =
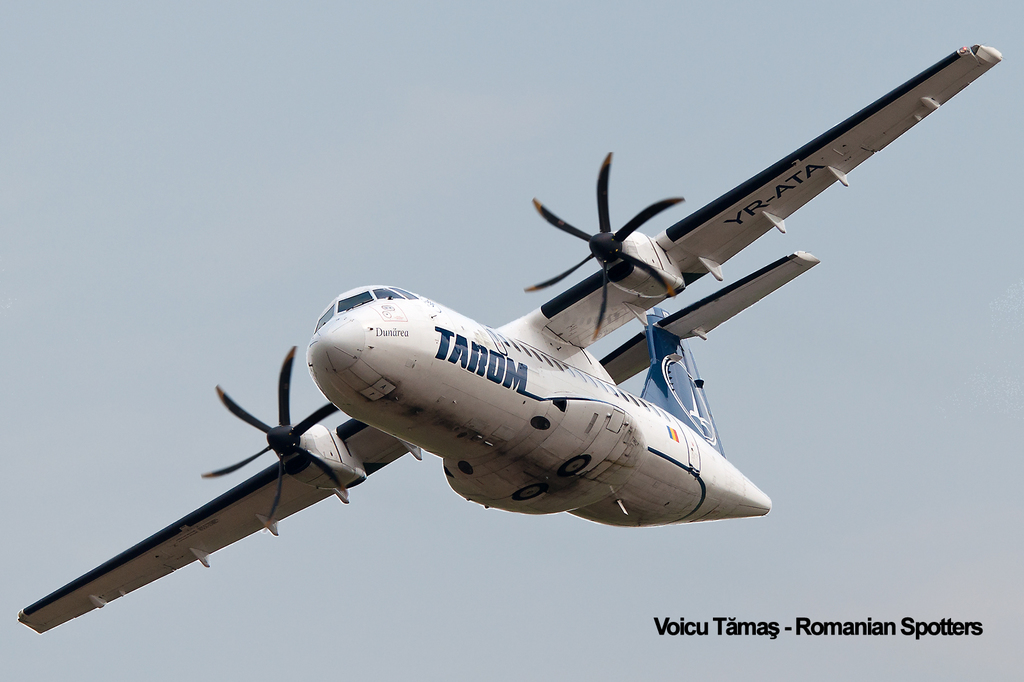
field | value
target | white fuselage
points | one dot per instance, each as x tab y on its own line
519	428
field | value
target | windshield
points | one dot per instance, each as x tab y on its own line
325	319
353	301
386	294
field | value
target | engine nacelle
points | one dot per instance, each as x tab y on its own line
641	282
325	444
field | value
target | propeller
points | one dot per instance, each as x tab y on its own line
606	246
282	439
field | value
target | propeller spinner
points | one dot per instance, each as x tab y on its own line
282	439
606	246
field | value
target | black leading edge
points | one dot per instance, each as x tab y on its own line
606	246
282	439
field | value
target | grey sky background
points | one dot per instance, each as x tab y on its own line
184	187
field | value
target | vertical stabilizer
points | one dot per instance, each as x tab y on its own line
674	384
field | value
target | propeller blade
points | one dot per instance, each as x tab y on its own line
277	495
645	215
235	467
602	194
283	387
559	278
318	463
559	223
604	300
240	413
649	270
304	425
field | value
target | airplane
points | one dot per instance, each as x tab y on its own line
524	417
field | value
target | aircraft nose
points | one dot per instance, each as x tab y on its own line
337	346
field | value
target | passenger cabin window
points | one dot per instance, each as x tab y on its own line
354	301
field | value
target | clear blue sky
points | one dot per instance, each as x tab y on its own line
184	187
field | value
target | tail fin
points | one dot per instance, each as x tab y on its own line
674	384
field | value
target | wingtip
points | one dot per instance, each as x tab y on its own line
989	55
808	258
35	627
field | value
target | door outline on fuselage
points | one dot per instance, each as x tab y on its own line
692	450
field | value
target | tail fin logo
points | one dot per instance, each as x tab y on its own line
690	397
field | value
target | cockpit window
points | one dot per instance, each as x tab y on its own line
325	319
411	297
353	301
392	293
385	294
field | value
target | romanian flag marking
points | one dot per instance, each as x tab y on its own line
673	434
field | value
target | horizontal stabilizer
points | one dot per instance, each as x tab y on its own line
700	318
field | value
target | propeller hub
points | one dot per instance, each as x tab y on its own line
282	440
605	247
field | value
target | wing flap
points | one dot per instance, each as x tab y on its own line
698	319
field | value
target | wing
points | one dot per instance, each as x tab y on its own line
227	519
698	319
372	447
721	229
572	315
729	224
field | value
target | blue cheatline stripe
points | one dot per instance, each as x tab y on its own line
692	472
